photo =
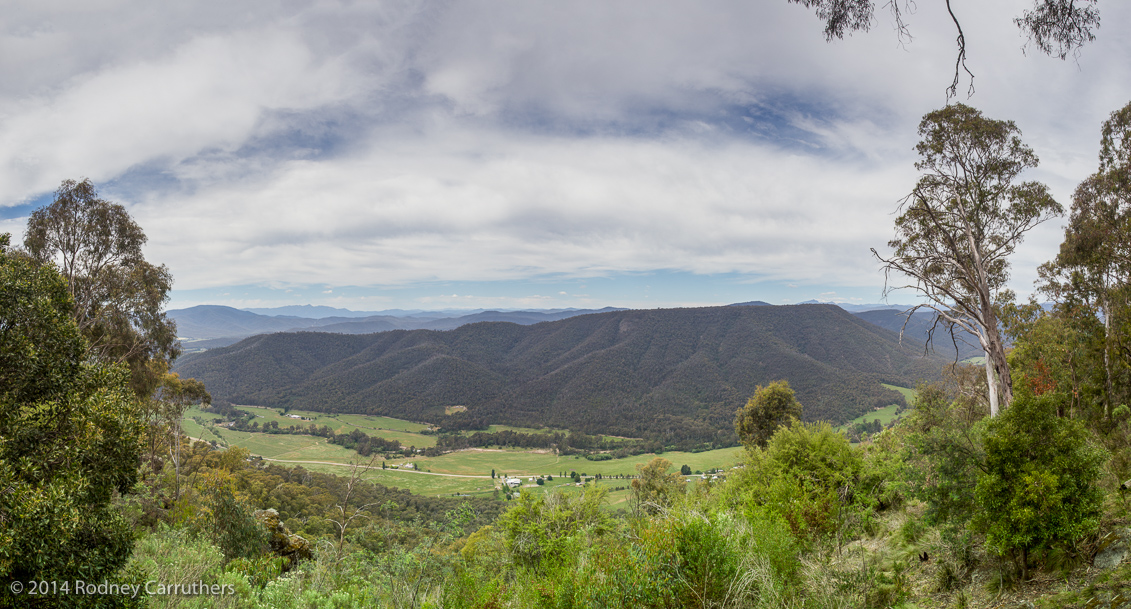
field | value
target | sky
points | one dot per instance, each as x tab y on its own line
378	155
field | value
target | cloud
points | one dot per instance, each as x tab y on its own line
334	143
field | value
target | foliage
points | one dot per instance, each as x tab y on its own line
539	528
1088	277
771	407
807	475
654	488
69	434
944	453
663	379
230	521
1039	486
963	220
117	296
1057	28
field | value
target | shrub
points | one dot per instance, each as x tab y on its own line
538	529
1039	482
807	474
944	455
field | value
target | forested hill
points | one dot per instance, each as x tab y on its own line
666	372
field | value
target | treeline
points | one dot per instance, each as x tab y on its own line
674	376
565	444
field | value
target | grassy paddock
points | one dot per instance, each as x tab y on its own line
382	427
886	415
529	463
908	394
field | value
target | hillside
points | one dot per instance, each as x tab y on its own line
963	345
208	322
666	373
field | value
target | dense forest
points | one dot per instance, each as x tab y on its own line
670	375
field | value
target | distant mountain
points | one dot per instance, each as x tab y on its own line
859	308
656	373
752	303
220	322
313	312
962	346
213	321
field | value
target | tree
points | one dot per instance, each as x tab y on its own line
685	470
771	407
1094	262
960	224
538	528
1039	484
117	297
346	513
163	415
69	437
654	488
1057	28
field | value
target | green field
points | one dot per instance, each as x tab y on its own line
478	462
404	432
364	421
469	470
886	414
908	394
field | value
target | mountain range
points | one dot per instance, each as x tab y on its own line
210	326
644	373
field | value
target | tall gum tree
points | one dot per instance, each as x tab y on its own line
1094	262
117	295
960	224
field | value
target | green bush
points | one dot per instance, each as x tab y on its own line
1038	487
69	439
944	455
807	474
538	528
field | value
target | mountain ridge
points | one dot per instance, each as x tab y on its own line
673	372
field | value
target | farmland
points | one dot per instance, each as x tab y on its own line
460	472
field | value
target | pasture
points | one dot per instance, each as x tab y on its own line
525	463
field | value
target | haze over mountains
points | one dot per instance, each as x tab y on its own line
211	326
656	373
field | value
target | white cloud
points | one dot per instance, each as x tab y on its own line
209	93
337	143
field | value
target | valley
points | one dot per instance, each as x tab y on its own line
671	376
460	473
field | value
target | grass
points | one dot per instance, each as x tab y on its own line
286	446
405	432
193	429
529	463
371	422
908	394
471	469
886	415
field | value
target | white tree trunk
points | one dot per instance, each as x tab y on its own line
991	385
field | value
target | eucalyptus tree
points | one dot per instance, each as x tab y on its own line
960	224
1094	263
117	295
69	440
